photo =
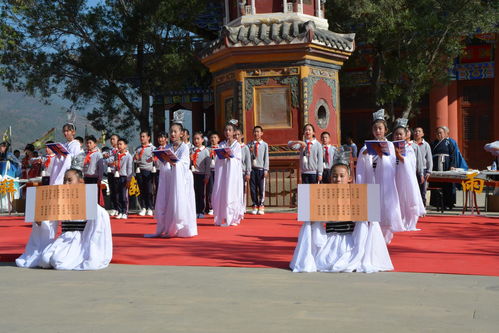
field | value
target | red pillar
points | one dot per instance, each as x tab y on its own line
453	118
495	114
439	109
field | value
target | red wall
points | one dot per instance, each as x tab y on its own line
322	91
268	6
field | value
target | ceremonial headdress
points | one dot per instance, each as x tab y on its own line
379	115
234	122
71	119
342	157
401	122
178	117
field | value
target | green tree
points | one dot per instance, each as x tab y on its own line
114	53
412	42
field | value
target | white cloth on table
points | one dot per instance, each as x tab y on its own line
411	203
227	196
90	249
175	209
384	175
363	250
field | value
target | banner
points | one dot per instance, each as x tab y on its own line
7	135
49	136
338	202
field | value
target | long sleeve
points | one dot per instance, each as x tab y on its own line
266	158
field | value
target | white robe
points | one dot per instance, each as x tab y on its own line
175	209
384	175
89	249
411	203
61	164
363	250
227	196
45	233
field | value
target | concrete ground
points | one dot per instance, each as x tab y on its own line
126	298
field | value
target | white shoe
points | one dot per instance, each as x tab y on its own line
124	216
111	212
261	211
142	212
210	212
149	212
254	211
119	216
114	212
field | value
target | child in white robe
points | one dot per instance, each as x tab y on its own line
227	197
335	247
411	203
380	169
62	163
81	246
175	211
45	231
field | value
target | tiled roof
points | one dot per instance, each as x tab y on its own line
276	33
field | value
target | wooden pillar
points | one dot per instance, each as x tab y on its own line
453	114
439	109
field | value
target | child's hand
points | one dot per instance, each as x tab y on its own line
206	180
378	150
265	174
319	179
127	184
247	177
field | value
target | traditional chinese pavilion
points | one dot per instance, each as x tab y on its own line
275	64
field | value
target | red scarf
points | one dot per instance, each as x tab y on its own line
142	151
212	153
326	153
120	156
194	157
309	143
47	161
88	157
256	148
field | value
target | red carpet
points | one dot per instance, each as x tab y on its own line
446	244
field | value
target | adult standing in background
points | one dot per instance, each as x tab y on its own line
443	160
458	157
424	160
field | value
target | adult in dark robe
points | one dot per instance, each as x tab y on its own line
443	152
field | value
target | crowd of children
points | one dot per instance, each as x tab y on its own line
180	182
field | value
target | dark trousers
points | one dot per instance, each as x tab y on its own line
422	188
199	190
122	195
144	179
257	187
309	178
113	183
209	191
326	176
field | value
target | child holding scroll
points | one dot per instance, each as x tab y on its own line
227	198
82	245
344	246
410	200
175	202
380	169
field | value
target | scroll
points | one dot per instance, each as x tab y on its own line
373	145
400	145
162	155
61	203
220	152
58	148
338	202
